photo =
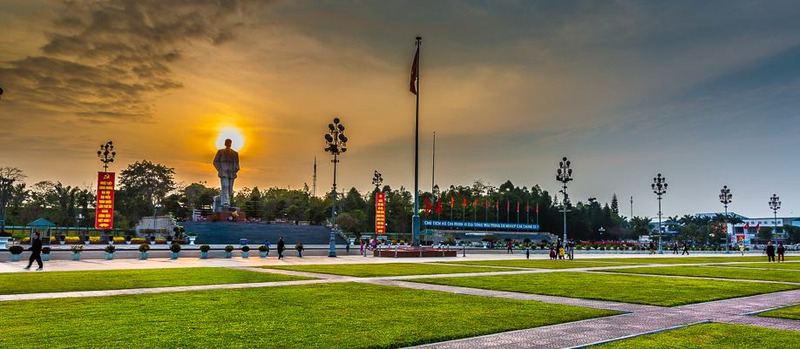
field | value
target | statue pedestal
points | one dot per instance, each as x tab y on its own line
230	214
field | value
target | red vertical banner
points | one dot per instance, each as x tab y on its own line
104	214
380	213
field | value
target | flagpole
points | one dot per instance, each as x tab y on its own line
433	167
415	218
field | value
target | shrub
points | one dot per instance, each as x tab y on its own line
110	249
192	234
72	239
138	240
5	233
205	248
46	250
16	249
245	248
229	248
263	248
119	239
26	240
77	249
175	248
161	241
128	238
144	247
52	239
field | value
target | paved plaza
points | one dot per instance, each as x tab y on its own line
634	320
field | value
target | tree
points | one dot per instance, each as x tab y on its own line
764	233
640	225
793	233
615	204
142	185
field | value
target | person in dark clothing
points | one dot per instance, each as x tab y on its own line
347	247
281	247
675	247
36	252
685	250
781	252
770	252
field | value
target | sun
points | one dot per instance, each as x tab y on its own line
232	133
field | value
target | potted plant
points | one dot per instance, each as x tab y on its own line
62	239
76	252
110	249
16	251
299	248
46	253
143	248
192	238
204	248
245	251
229	251
86	239
176	249
128	239
263	251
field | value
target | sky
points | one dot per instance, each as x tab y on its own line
705	93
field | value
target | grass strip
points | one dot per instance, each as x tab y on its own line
386	269
543	264
661	291
716	272
711	336
94	280
341	315
792	312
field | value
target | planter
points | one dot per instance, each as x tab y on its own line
262	254
86	242
128	242
45	257
228	254
203	255
173	255
109	256
143	255
62	242
76	256
245	254
192	239
4	241
15	257
111	241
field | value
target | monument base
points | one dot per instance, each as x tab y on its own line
232	214
414	252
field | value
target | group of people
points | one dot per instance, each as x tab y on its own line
771	250
563	251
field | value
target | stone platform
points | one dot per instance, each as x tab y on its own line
259	233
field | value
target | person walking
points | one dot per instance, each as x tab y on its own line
685	250
509	247
561	252
781	251
281	247
362	248
36	252
571	253
770	252
652	248
347	247
675	247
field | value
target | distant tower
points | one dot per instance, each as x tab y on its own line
314	191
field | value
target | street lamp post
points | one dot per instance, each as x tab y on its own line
155	211
775	205
106	154
336	144
725	198
5	192
564	175
601	230
659	187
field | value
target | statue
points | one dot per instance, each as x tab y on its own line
227	164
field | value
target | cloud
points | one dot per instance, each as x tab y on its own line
108	60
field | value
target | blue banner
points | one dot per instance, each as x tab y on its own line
479	225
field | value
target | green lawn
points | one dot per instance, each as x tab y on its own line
717	272
712	336
663	291
544	264
388	269
784	266
655	259
16	283
792	312
341	315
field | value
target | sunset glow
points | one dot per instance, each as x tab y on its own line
234	134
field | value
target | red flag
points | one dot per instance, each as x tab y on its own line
415	72
487	203
517	206
476	203
527	207
497	205
758	225
439	208
746	226
465	203
537	207
508	205
427	204
452	202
